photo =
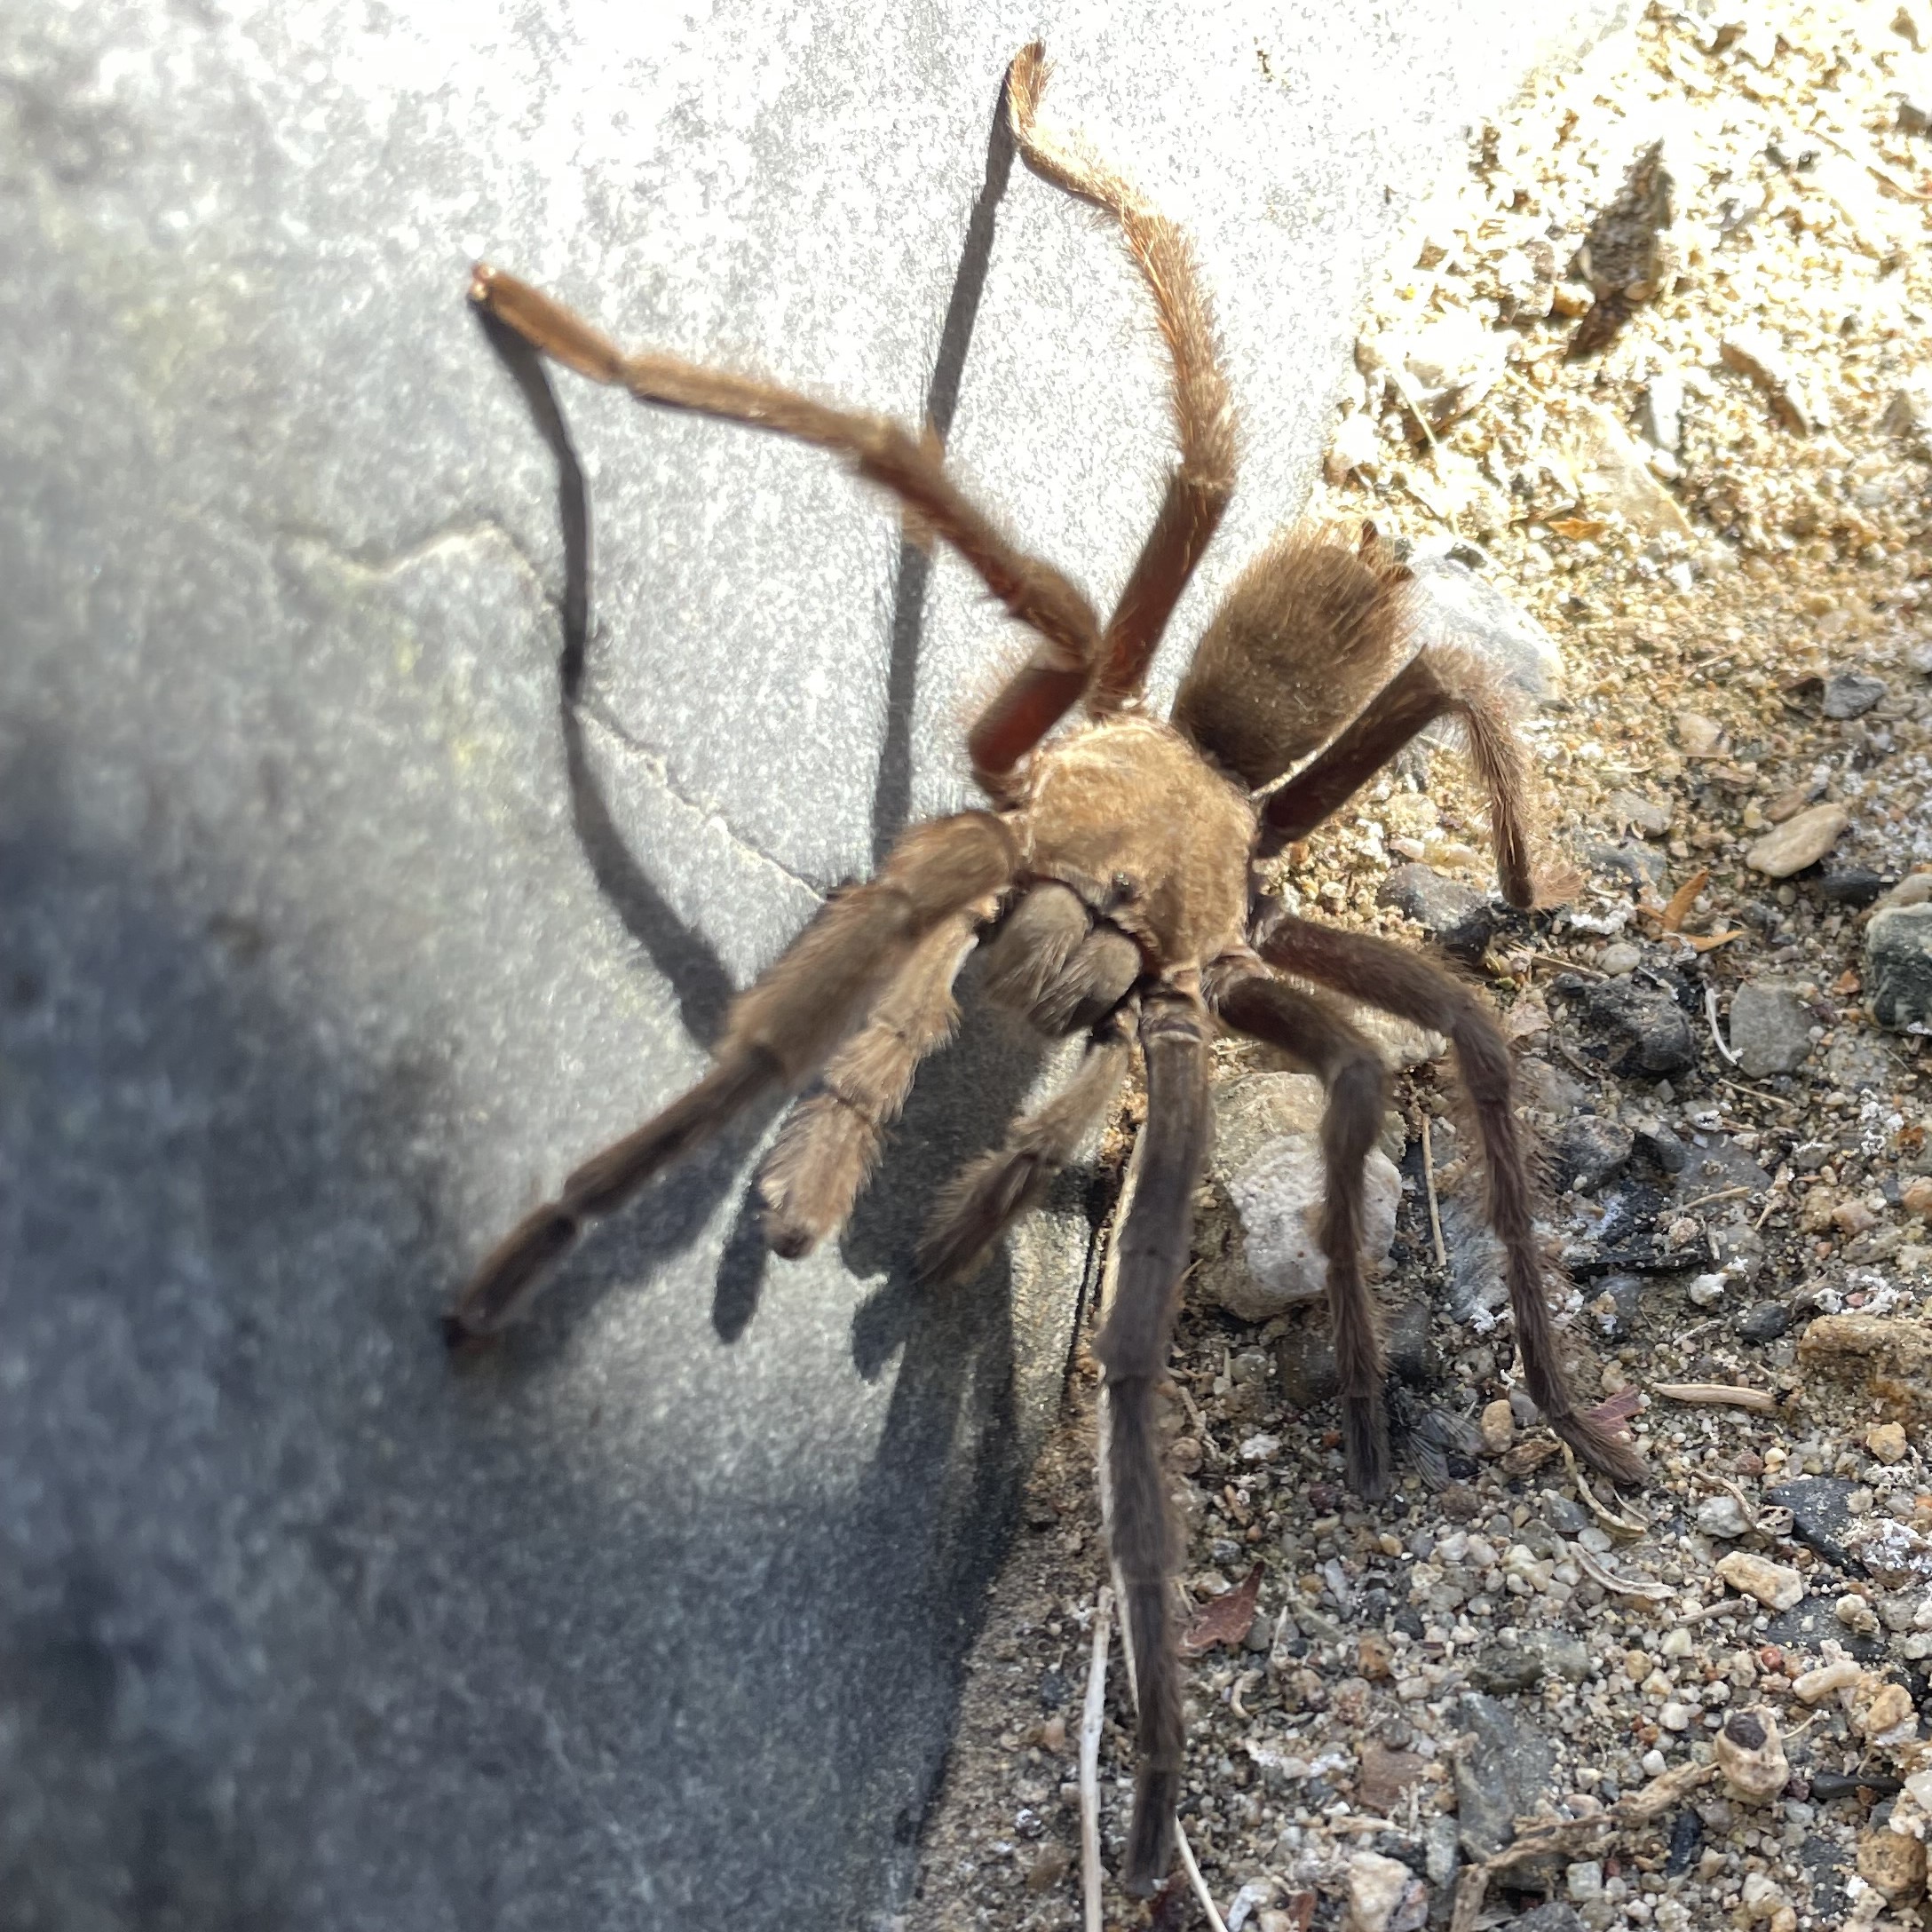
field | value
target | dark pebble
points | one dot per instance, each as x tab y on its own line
1435	904
1625	1293
1504	1669
1552	1915
1502	1777
1821	1516
1828	1785
1899	966
1655	1143
1825	1864
1591	1151
1639	1031
1851	694
1686	1841
1052	1690
1765	1322
1853	887
1639	864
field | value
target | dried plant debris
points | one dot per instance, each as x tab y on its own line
1648	398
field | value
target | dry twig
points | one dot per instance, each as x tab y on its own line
1428	1183
1217	1923
1092	1718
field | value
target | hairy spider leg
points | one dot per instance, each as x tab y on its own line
779	1033
1152	1250
990	1193
1244	996
1381	974
1200	483
1441	682
882	452
830	1145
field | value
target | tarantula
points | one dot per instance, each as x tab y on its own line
1111	878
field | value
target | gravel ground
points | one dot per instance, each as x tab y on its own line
1655	368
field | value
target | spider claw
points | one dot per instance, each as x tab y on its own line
1150	1839
1613	1456
1365	1434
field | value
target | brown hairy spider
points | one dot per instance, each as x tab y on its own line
1111	880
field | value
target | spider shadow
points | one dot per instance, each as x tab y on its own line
677	1209
946	1470
674	1211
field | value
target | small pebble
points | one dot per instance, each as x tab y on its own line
1773	1584
1722	1516
1814	1686
1887	1441
1384	1895
1770	1029
1891	1862
1799	841
1851	694
1766	1322
1497	1426
1584	1881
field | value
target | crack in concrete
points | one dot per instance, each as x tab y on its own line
378	565
382	564
600	716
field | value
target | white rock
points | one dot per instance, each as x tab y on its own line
1355	450
1442	370
1722	1516
1612	475
1384	1896
1277	1195
1584	1880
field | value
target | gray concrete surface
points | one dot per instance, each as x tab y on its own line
331	935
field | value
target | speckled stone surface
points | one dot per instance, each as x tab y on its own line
330	937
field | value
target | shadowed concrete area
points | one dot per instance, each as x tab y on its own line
374	845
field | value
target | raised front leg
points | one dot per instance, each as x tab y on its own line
1200	483
881	451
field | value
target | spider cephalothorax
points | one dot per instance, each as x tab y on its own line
1112	879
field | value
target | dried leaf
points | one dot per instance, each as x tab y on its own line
1684	897
1528	1457
1227	1619
1577	528
1707	942
1171	1907
1846	982
1614	1411
1528	1016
